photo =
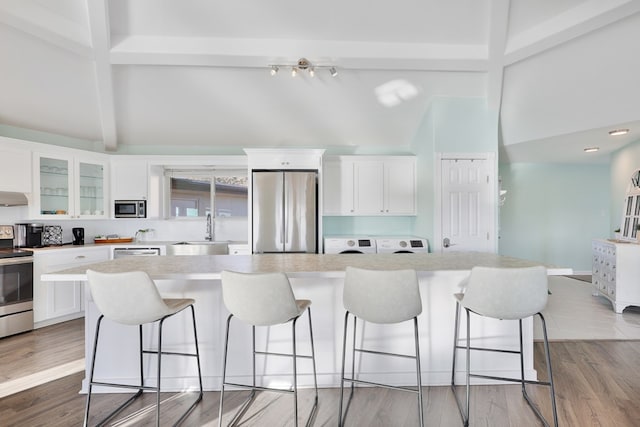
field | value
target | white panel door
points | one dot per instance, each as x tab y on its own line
467	205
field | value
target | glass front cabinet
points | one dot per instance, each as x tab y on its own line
69	187
630	223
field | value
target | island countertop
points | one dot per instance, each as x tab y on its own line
209	267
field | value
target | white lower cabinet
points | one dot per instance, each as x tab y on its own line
55	302
615	272
235	249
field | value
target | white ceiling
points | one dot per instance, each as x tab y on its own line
143	73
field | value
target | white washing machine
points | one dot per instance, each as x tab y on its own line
349	245
402	245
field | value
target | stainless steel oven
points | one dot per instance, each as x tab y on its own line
16	286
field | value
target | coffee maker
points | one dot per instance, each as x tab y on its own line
78	235
28	235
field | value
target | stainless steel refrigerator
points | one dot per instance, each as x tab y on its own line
284	211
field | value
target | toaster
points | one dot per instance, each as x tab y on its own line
52	235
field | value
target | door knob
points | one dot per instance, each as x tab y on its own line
446	242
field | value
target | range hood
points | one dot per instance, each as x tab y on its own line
10	198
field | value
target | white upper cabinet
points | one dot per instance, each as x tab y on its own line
67	186
277	158
129	178
15	170
370	185
400	185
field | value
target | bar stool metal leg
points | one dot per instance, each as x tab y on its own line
465	411
547	354
294	355
313	361
92	382
342	416
418	371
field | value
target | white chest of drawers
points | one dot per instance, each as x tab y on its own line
616	272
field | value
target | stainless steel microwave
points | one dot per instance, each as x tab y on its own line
130	209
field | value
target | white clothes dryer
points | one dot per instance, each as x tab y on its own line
349	245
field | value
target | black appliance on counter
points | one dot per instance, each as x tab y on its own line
78	235
28	235
16	285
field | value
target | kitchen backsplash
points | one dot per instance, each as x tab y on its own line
235	228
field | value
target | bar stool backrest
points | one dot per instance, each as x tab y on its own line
131	298
382	296
507	293
259	299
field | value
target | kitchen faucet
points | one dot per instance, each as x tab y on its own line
209	234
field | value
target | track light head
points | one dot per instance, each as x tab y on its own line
303	64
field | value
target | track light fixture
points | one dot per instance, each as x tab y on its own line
302	65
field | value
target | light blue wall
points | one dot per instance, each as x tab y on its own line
464	125
449	125
369	225
552	211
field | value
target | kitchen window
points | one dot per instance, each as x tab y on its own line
199	192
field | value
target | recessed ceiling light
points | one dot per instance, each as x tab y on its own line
591	149
617	132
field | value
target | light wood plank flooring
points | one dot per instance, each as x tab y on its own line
598	383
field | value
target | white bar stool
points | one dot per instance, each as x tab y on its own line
264	299
132	298
503	293
382	297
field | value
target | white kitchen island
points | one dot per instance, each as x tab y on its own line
320	279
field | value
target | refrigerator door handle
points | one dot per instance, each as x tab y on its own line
283	234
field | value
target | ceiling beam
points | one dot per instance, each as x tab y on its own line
569	25
498	24
260	53
49	27
100	37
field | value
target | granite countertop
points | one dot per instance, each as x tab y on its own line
133	244
208	267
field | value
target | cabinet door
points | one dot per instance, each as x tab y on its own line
130	179
53	190
278	158
59	301
400	186
338	188
15	171
368	183
90	200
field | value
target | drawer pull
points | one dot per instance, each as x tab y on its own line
80	257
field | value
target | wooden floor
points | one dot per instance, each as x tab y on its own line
597	384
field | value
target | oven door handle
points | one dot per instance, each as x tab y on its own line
16	260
